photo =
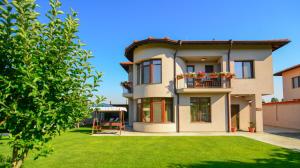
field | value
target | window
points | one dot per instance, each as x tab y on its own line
146	72
156	110
190	81
149	72
209	68
296	82
244	69
156	71
200	109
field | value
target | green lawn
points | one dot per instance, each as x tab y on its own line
77	148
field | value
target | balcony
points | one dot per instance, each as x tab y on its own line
204	82
127	89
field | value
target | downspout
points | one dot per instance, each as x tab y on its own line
228	95
175	88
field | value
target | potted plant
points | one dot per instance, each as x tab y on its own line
233	129
191	75
181	76
201	74
126	84
213	75
230	75
223	74
251	128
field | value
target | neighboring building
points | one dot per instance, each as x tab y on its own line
161	101
291	82
285	114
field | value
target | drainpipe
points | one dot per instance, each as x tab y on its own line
228	55
228	95
175	88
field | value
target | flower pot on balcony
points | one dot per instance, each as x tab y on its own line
191	75
229	76
213	76
201	75
181	76
223	74
251	129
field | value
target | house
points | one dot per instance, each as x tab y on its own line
291	82
285	114
186	86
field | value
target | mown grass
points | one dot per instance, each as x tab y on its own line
76	148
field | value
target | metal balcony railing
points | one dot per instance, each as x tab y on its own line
203	81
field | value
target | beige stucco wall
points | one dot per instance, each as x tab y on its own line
290	93
218	114
262	83
263	71
282	115
164	89
154	127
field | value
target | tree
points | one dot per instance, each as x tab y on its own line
46	78
274	99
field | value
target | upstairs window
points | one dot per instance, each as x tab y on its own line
244	69
296	82
149	72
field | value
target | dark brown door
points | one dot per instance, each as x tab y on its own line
209	68
235	110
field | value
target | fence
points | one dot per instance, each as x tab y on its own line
282	114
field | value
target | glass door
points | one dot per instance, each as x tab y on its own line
190	81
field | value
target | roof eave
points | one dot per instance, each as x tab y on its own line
275	44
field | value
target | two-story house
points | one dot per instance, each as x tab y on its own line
194	86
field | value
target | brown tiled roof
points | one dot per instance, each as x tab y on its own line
126	65
275	44
283	102
287	69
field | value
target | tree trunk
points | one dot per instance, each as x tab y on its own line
18	159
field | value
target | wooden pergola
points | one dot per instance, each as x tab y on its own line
100	124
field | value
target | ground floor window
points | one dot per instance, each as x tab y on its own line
156	110
200	109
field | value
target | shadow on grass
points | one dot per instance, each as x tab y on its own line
279	159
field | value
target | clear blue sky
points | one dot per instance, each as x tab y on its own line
107	27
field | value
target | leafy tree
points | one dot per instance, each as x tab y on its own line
274	99
46	79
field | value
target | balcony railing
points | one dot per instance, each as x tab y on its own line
203	80
127	86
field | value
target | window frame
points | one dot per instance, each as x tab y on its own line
163	101
140	71
138	74
243	72
190	82
198	101
296	78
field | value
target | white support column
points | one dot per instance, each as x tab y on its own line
258	113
